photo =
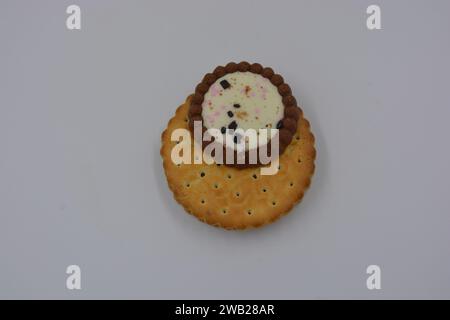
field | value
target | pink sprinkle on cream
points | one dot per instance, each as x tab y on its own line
214	90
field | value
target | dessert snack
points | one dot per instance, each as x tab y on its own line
239	197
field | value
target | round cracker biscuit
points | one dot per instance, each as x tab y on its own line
232	198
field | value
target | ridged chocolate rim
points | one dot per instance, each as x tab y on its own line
291	111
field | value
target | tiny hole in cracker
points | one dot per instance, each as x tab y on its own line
202	174
255	176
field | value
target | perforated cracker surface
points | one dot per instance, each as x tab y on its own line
234	198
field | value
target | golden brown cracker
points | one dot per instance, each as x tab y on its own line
234	198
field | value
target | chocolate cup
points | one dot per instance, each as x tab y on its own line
289	121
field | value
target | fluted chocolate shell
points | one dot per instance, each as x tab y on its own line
291	111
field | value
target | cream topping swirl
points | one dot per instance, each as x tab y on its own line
243	100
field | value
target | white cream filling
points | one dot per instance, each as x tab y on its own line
244	100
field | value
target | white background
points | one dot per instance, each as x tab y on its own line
81	180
